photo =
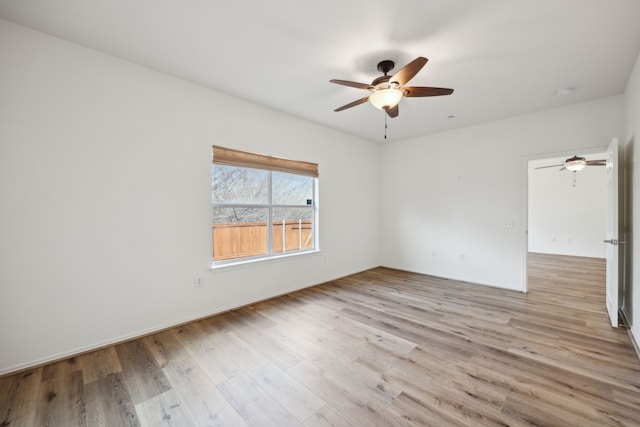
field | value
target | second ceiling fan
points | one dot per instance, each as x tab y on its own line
387	91
575	163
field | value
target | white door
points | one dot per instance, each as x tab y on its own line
612	232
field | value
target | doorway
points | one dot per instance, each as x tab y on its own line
556	225
567	211
565	222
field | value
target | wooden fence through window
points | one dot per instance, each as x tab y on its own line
244	239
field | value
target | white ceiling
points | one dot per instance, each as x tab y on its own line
502	57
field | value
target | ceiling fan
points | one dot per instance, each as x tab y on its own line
387	91
575	163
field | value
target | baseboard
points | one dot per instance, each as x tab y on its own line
634	342
622	319
488	285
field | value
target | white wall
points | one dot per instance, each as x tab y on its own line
105	188
632	110
564	218
462	193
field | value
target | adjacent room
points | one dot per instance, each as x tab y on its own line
339	213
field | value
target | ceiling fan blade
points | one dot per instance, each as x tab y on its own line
562	168
415	91
353	104
352	84
393	111
596	163
550	166
407	72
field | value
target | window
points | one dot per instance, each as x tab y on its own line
262	206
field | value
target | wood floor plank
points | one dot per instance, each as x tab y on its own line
379	348
108	403
165	409
255	405
297	399
416	413
141	375
360	332
306	345
263	342
61	369
165	347
282	312
355	407
209	351
354	369
327	417
99	364
626	397
448	401
61	401
571	393
199	395
19	397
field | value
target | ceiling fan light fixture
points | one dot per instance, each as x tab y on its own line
575	165
385	98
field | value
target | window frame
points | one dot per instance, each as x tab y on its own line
263	164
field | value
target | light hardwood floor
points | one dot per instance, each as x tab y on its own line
379	348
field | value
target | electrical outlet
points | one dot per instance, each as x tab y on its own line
461	257
197	282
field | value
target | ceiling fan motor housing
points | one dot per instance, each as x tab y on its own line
381	82
386	66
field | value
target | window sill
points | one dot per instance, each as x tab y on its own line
233	265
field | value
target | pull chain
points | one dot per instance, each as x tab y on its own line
385	125
574	180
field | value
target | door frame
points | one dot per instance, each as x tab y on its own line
525	199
